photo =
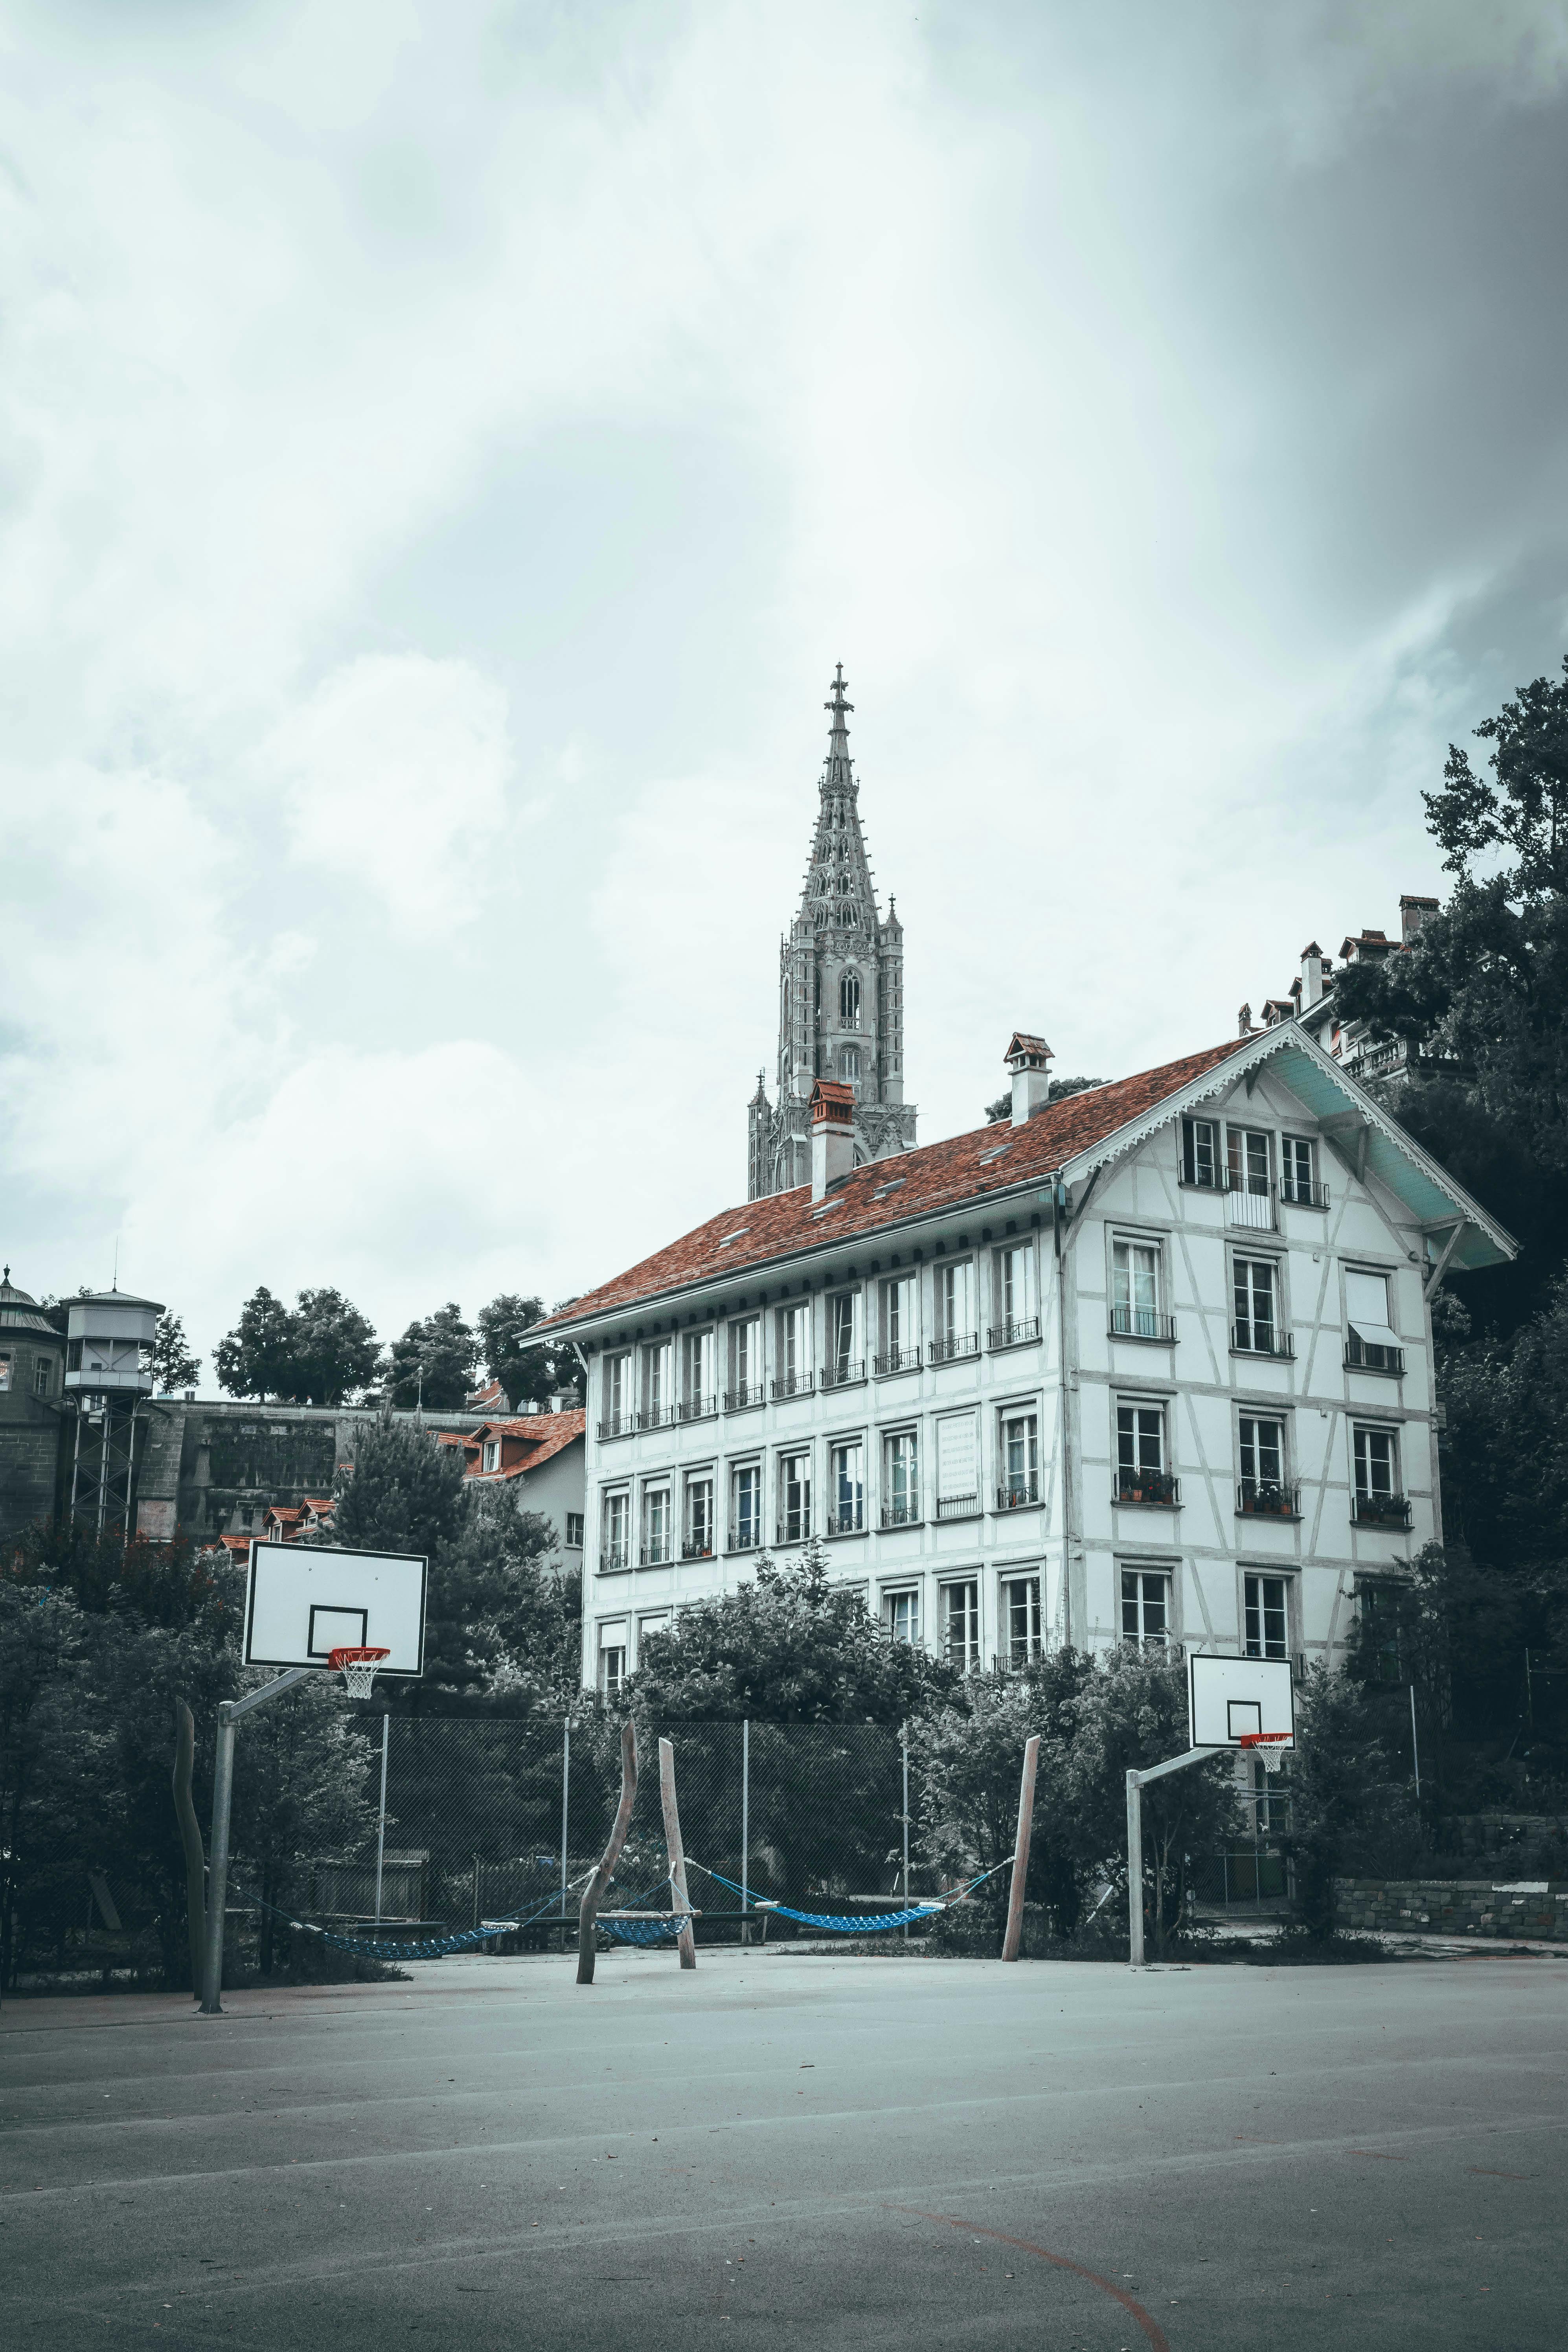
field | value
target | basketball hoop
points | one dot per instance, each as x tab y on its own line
1269	1747
357	1667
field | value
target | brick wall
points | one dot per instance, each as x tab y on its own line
1455	1906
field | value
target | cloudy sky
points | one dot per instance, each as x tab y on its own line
445	448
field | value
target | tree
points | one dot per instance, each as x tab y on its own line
433	1363
527	1375
334	1346
1350	1808
404	1491
173	1366
788	1647
1525	810
257	1357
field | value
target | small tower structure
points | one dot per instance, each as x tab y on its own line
32	1357
841	992
109	1371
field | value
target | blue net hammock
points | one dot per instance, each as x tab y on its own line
423	1948
839	1923
644	1931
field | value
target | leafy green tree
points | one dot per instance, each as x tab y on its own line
334	1346
788	1647
257	1357
173	1366
434	1363
1350	1805
527	1375
404	1491
1522	810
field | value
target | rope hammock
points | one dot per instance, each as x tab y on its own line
842	1924
426	1948
644	1931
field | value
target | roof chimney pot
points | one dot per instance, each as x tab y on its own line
1029	1059
832	1112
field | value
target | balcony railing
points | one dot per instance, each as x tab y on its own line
700	1547
1157	1486
1262	1339
846	1519
788	1385
699	1408
656	1555
1141	1323
656	1416
1264	1499
737	1399
1380	1510
1250	1201
614	1556
1367	1356
1016	1334
795	1526
745	1538
843	1375
906	1514
962	1343
897	1359
958	1507
1019	1493
1016	1659
1302	1193
617	1424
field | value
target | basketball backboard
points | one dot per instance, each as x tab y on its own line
1232	1700
303	1601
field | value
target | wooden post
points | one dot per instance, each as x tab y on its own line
1134	1870
684	1941
191	1839
1013	1937
593	1894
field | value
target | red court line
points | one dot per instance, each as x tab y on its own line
1152	2327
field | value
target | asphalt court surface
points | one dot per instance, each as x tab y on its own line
826	2152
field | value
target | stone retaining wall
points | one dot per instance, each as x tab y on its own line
1455	1906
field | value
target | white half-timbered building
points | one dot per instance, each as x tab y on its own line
1151	1363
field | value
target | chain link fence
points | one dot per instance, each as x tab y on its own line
474	1820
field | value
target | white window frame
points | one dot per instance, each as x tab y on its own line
845	1354
695	1484
901	1601
575	1519
698	1354
957	1491
1160	1409
1028	1586
657	1383
1361	1457
490	1455
958	1601
901	1332
1142	1575
1019	1487
901	1478
1293	1185
1133	1317
654	1493
1201	1151
1255	1635
614	1505
793	1362
846	1517
615	1410
610	1674
799	1458
745	1354
751	1471
1241	1259
1016	1293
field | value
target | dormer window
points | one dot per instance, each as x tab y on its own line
491	1453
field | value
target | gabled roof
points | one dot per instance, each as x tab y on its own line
545	1434
889	1192
1071	1138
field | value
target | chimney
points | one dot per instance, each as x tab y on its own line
1413	913
832	1110
562	1400
1315	971
1029	1060
1244	1021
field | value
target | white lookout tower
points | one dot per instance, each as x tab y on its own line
109	1371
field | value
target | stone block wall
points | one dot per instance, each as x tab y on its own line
1455	1906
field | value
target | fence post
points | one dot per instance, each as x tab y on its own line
904	1746
381	1823
1013	1940
1134	1871
746	1821
566	1813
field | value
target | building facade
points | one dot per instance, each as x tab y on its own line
841	992
32	1413
1152	1363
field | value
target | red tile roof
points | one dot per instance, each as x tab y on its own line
545	1434
889	1191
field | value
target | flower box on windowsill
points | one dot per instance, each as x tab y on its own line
1263	1500
1025	1497
1157	1490
1391	1511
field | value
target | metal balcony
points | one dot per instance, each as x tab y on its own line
1158	1488
617	1424
1018	1495
795	1526
745	1539
897	1359
739	1399
1257	1338
1266	1498
614	1557
1380	1510
1016	1334
1141	1323
656	1555
1367	1356
699	1408
788	1385
949	1351
958	1507
657	1416
1300	1194
846	1519
901	1515
848	1374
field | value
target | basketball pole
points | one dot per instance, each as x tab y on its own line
1136	1784
684	1940
1012	1941
228	1715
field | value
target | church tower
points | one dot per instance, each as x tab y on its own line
841	993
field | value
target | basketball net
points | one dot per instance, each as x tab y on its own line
357	1667
1266	1745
